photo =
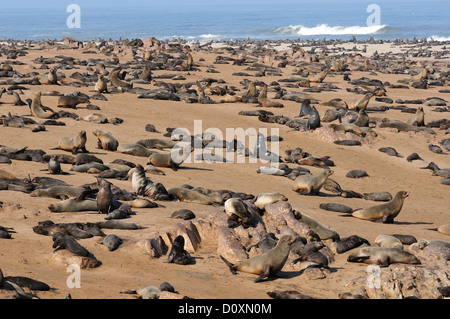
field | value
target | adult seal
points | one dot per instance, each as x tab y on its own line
105	140
162	160
105	199
267	264
385	212
263	199
37	110
74	144
309	184
382	256
238	212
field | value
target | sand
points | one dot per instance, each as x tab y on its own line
30	254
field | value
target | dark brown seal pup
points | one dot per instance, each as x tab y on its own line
63	241
267	264
178	254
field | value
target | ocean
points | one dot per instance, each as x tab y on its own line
221	20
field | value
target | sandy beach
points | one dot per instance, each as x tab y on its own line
130	267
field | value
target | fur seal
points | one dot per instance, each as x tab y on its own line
105	199
313	120
349	243
266	243
384	212
116	82
321	230
71	101
362	120
261	200
357	173
384	240
444	229
122	212
238	213
266	264
190	196
184	214
309	184
382	256
162	160
178	254
305	108
336	208
23	282
53	166
64	241
318	77
135	150
156	143
265	102
60	192
311	253
36	108
112	242
105	140
378	196
118	224
74	144
360	104
418	119
139	182
101	86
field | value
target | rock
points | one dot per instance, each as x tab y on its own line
67	258
154	246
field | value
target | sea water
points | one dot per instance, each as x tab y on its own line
227	19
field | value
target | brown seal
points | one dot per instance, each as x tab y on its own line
319	77
190	196
418	119
385	212
105	200
36	107
162	160
116	82
265	102
105	140
309	184
73	144
383	256
360	104
267	264
71	101
101	86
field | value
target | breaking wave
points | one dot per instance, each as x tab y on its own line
324	29
438	38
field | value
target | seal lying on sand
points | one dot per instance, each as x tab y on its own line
309	184
267	264
383	256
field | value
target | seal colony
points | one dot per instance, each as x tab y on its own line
80	159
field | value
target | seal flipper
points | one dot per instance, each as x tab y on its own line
230	265
264	274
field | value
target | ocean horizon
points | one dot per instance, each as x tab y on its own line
231	20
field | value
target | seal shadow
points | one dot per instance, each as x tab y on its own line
194	168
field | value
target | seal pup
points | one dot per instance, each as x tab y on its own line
238	213
101	86
112	242
384	212
266	264
105	199
266	243
309	184
73	144
382	256
178	254
311	253
64	241
53	166
305	108
119	213
37	110
349	243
